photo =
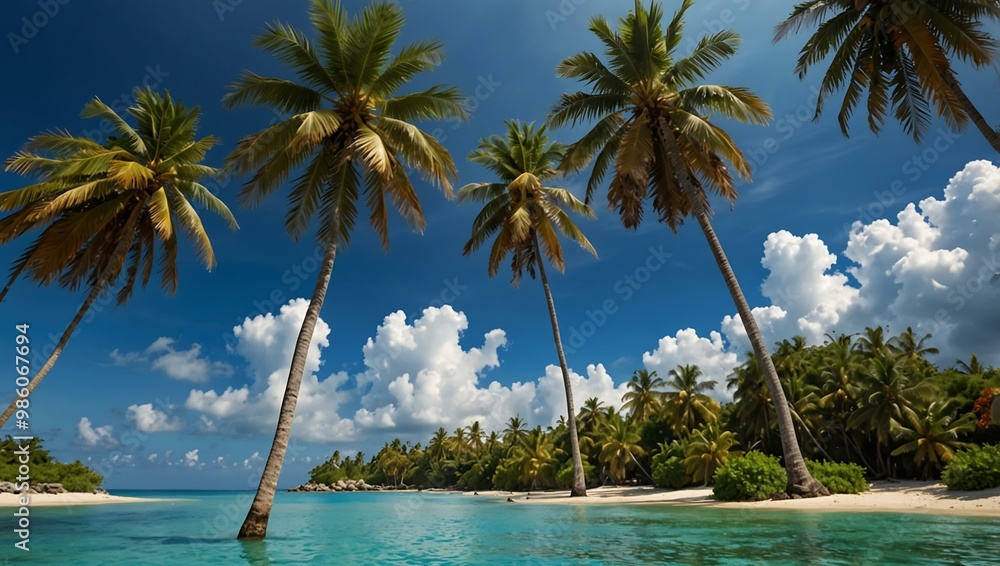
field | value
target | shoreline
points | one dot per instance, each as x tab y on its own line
881	497
12	500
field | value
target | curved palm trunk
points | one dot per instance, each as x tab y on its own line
800	481
579	480
13	278
991	135
255	524
95	291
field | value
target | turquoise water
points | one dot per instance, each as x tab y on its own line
398	528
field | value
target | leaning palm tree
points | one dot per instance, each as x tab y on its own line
898	52
653	126
526	217
688	405
351	135
642	397
102	209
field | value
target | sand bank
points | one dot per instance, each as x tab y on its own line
50	500
896	497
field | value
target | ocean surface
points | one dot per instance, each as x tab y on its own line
199	527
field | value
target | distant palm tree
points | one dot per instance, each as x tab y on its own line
908	346
897	52
620	447
437	448
350	134
525	218
973	367
476	437
458	443
515	430
102	209
932	436
873	342
591	414
688	406
708	448
653	124
642	397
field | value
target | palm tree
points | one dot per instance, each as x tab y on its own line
536	457
459	443
909	347
933	436
102	209
642	397
525	217
897	52
476	437
437	448
688	405
515	430
873	342
973	367
653	125
709	448
620	447
349	133
591	414
887	394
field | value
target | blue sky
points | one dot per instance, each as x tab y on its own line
809	179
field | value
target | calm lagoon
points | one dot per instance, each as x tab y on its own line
199	527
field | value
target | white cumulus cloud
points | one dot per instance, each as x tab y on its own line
90	436
148	419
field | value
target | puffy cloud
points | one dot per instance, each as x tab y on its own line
148	419
550	401
90	436
182	365
188	365
191	458
686	347
267	342
419	377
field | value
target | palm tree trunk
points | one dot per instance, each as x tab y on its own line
255	524
800	482
95	291
579	479
13	278
991	135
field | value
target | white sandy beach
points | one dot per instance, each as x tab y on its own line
53	500
896	497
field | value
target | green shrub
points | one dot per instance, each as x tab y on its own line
976	468
668	466
839	477
752	477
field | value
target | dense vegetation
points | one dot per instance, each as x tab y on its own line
44	468
872	404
